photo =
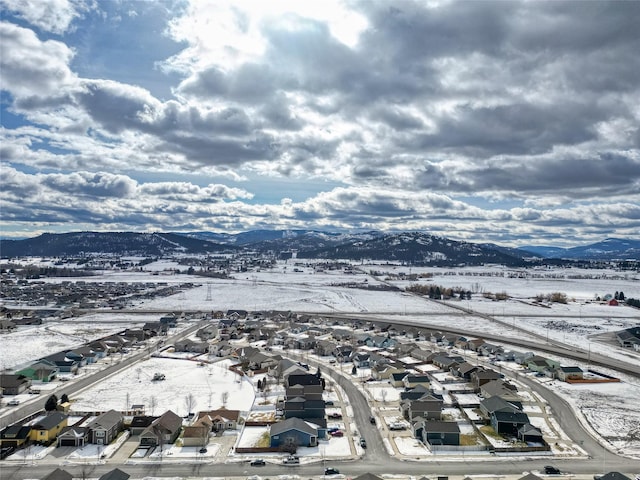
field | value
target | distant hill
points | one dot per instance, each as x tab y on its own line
417	248
116	243
609	249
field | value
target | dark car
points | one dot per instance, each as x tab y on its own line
372	420
258	462
549	470
363	443
203	450
329	403
331	471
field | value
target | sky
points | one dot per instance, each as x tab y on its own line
509	122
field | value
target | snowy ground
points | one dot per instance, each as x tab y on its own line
612	411
134	386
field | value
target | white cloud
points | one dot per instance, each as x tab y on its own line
53	16
31	67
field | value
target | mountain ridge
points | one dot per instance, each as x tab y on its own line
418	248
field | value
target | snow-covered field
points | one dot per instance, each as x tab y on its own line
611	411
134	385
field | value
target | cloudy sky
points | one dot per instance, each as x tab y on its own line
516	123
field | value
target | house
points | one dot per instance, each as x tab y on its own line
47	428
311	410
361	359
426	407
14	436
115	474
508	423
380	341
343	353
629	337
569	373
222	419
499	388
530	476
385	371
367	476
415	393
140	423
188	345
106	427
464	370
197	434
489	349
324	348
480	377
84	354
163	430
293	433
261	361
62	363
396	379
74	437
58	474
221	349
542	364
170	320
421	355
14	384
412	381
40	371
530	435
445	362
475	344
498	404
207	332
613	476
435	432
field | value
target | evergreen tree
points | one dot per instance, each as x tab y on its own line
51	404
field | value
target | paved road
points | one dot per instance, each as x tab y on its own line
376	459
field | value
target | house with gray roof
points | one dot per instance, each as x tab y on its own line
293	432
115	474
436	432
106	427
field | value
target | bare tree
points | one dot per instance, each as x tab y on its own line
190	402
224	397
383	394
153	403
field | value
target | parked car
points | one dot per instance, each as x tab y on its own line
203	450
397	426
291	460
363	443
337	433
331	471
372	420
258	462
335	415
13	402
329	403
549	470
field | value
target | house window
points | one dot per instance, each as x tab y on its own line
99	433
